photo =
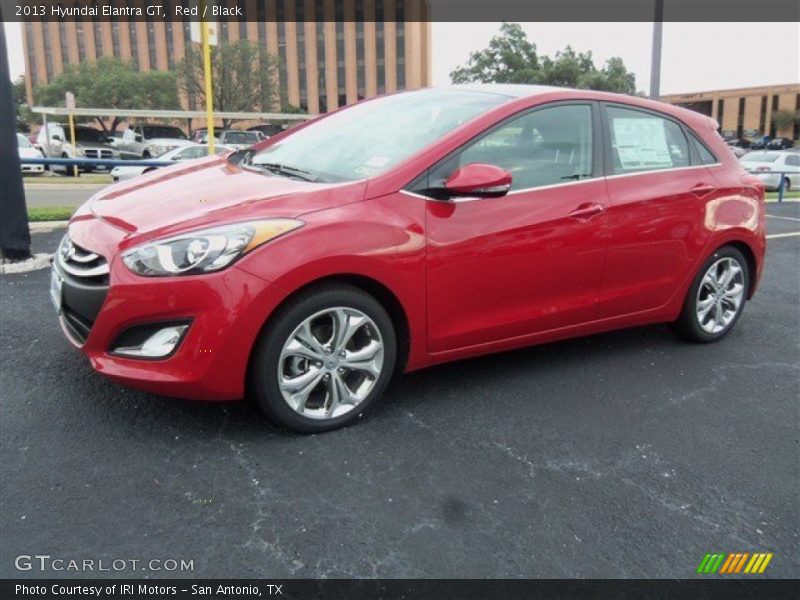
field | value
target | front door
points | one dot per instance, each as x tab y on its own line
530	261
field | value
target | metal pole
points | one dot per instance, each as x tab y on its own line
655	61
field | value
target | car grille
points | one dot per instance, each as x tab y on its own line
86	276
103	153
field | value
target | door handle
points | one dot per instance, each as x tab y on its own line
702	189
587	210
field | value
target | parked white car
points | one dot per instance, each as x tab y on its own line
186	152
149	141
236	138
27	150
768	166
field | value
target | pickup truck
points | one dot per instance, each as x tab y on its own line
149	141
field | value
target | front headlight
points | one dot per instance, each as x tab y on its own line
206	250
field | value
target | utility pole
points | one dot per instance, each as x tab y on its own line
15	238
655	60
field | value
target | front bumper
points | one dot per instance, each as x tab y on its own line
226	309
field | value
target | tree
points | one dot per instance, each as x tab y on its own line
784	119
111	83
25	115
244	77
512	58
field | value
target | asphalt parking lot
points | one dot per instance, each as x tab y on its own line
628	454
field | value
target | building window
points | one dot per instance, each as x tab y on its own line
242	23
32	70
720	112
319	11
115	44
62	34
134	44
740	118
98	36
772	128
280	17
191	99
151	43
380	36
762	118
300	21
261	16
341	73
400	16
48	57
81	40
360	59
796	129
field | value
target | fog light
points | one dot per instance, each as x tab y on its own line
150	341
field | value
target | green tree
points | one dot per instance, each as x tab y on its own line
25	115
784	119
244	74
512	58
111	83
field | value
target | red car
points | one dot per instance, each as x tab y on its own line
405	231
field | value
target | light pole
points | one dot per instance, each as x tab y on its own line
655	60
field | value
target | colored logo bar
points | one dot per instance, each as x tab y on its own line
735	562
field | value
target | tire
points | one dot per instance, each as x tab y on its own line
700	324
280	363
145	155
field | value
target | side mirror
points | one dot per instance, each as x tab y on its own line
484	181
55	137
138	137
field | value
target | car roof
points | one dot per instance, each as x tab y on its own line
520	91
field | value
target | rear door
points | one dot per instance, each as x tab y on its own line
658	197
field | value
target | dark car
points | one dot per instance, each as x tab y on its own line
780	144
759	143
739	143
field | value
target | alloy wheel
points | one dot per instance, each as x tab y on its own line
330	363
720	295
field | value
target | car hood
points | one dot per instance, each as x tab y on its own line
173	142
211	191
29	153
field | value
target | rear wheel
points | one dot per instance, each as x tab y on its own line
716	297
323	359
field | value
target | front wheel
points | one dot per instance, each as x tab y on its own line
323	359
716	297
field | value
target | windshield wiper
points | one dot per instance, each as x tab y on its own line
286	170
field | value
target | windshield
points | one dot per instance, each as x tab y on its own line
87	134
162	131
22	141
240	137
760	157
370	138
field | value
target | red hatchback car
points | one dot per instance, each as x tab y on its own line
405	231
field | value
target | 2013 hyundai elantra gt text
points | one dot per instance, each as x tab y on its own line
406	231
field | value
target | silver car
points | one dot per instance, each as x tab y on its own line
768	165
189	151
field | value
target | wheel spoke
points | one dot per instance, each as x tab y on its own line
728	275
296	347
299	388
306	337
364	360
703	308
344	327
734	291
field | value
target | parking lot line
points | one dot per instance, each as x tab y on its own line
784	218
783	235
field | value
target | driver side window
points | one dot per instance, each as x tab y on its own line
545	147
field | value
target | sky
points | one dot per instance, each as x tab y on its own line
695	57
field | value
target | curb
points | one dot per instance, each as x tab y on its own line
38	187
45	226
